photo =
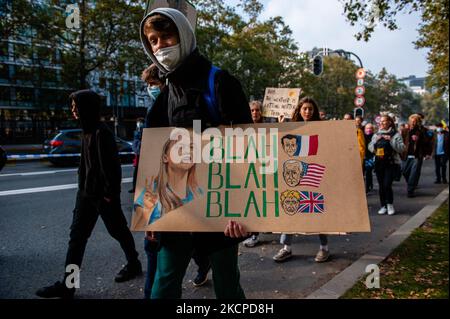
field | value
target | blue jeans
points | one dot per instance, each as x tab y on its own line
286	239
411	169
152	259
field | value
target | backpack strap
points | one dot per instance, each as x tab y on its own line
210	95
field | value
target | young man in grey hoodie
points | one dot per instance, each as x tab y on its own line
169	41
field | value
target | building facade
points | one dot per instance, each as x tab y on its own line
34	92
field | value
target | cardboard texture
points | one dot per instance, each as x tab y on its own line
318	187
280	101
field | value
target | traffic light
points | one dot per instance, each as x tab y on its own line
317	65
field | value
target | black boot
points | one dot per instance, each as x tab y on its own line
57	290
130	271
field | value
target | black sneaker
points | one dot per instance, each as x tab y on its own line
130	271
437	182
57	290
201	279
411	195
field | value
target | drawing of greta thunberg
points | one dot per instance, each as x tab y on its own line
175	186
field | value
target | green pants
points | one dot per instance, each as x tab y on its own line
173	261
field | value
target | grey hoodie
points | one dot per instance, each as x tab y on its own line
185	31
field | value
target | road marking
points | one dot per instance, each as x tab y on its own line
49	172
49	188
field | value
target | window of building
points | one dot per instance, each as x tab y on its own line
22	51
47	75
4	50
4	72
24	96
46	55
5	95
23	73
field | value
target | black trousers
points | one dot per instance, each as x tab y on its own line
85	217
368	174
440	162
385	177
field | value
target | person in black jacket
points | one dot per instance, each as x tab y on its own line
99	180
169	41
3	158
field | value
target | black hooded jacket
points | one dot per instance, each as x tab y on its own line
99	173
182	100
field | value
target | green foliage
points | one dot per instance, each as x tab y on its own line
417	269
104	42
259	53
434	108
433	30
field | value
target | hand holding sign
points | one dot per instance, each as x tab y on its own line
235	230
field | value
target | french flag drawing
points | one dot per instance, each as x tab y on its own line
307	145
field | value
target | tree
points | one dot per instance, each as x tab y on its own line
433	31
105	42
259	53
434	108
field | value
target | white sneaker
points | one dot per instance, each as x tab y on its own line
251	242
390	209
382	211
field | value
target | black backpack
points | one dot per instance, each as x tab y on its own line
383	150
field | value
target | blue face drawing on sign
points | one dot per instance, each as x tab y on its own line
174	186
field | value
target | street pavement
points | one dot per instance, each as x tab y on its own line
34	230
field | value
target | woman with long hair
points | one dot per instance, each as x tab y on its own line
306	111
387	145
174	186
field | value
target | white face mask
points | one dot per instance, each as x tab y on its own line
169	57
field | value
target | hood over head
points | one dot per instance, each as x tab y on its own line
186	33
88	104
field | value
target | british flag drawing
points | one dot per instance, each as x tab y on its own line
311	202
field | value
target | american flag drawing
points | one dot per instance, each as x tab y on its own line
311	174
311	202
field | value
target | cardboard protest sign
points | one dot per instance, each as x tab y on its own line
285	177
279	101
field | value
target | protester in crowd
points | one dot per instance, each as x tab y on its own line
150	75
387	145
360	135
151	245
99	180
418	145
369	160
306	111
170	42
440	153
3	158
256	110
323	115
348	116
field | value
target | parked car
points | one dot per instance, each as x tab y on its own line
3	157
69	142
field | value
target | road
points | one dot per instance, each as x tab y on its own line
36	203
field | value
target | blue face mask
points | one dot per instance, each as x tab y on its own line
439	129
153	92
